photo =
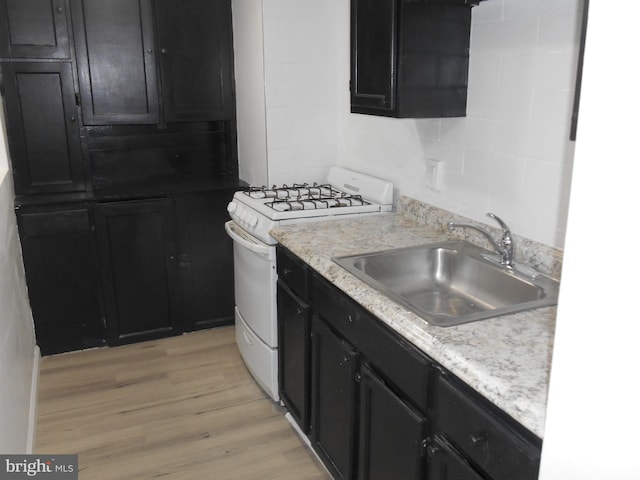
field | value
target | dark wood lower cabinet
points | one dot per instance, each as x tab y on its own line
446	464
334	397
137	246
205	259
126	271
61	266
392	434
294	328
381	409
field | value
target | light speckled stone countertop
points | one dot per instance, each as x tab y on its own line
507	359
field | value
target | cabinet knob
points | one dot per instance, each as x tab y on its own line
149	51
59	9
164	51
72	119
432	450
476	440
350	318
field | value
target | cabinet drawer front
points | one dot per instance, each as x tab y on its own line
486	439
395	358
50	223
338	311
293	272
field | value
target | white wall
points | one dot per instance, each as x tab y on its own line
287	82
248	48
593	417
18	353
511	154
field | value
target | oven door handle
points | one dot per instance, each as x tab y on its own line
237	234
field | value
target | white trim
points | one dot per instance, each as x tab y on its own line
306	440
33	401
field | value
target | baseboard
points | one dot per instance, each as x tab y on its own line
306	440
33	401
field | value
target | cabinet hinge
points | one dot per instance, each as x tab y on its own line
424	446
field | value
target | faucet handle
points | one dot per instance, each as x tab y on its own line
506	242
505	229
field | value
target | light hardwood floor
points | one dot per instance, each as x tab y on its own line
178	408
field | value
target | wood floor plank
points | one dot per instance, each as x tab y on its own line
180	408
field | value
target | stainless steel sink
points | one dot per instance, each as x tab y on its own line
450	283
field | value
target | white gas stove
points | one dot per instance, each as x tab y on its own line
254	213
259	209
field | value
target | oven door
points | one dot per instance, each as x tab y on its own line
255	278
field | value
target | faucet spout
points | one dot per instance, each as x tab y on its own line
504	246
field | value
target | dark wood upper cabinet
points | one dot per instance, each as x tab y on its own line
409	58
33	29
115	48
43	133
196	59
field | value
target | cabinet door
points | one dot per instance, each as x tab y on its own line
33	29
137	256
43	132
334	394
116	61
445	464
205	260
391	433
196	59
61	266
373	54
294	354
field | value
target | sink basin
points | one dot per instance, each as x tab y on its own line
452	282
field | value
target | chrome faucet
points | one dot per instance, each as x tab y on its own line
504	246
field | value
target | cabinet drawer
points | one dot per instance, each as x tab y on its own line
293	272
335	308
397	360
57	222
496	447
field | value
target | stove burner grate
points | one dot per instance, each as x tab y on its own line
296	191
317	202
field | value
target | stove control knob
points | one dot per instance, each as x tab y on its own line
252	220
232	207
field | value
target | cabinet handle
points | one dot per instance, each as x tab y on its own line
476	440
